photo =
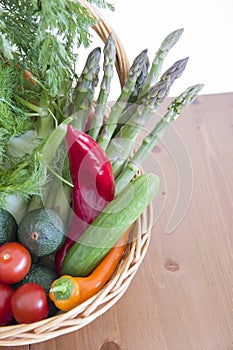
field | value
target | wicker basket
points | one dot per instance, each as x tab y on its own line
62	323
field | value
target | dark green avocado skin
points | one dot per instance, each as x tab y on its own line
41	231
8	227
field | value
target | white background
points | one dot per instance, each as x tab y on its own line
207	37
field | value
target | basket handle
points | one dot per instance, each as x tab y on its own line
103	29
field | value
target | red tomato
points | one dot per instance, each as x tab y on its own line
29	303
15	262
6	293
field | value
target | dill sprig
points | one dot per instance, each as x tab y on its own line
14	120
43	36
25	177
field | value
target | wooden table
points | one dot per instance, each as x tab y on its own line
182	295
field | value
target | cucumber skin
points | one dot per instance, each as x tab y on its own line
109	226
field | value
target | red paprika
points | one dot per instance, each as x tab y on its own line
93	180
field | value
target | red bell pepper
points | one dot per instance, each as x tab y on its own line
93	181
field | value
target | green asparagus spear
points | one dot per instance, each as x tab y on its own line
170	75
147	80
108	68
119	106
140	82
175	71
157	63
153	99
132	104
175	108
121	146
83	92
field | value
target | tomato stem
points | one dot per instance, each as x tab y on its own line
6	256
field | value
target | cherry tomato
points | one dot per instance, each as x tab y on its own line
15	262
6	293
29	303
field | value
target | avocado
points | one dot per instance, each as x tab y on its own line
41	231
8	227
39	274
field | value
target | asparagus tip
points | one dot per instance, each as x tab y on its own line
169	42
186	98
175	71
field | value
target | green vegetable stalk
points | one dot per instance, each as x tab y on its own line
83	93
161	54
122	144
111	123
175	108
108	68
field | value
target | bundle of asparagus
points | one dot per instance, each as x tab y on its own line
143	92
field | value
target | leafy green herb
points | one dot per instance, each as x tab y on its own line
24	178
14	120
102	4
50	33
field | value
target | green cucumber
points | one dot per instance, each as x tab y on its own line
110	225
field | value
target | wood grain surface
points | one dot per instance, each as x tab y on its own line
182	295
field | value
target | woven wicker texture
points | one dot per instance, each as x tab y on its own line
89	310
